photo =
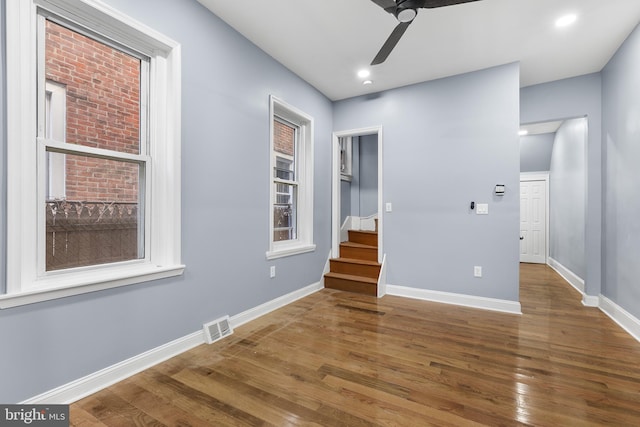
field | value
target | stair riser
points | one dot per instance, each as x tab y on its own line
350	286
363	238
372	271
367	254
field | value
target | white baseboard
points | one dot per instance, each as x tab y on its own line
568	275
590	300
382	277
268	307
505	306
619	315
626	321
92	383
574	280
83	387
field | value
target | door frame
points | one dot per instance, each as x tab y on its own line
541	176
335	186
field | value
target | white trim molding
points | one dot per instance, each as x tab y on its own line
382	278
492	304
266	308
568	275
619	315
92	383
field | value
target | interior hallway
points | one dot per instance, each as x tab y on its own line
342	359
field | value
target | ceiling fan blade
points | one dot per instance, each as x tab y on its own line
432	4
391	42
388	5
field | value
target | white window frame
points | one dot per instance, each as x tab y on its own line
27	282
304	177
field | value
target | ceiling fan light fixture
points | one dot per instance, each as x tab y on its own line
406	15
566	20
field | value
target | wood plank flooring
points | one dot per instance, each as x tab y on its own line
342	359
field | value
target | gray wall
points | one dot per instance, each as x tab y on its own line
448	142
567	183
359	197
225	230
621	136
535	152
345	200
571	98
368	190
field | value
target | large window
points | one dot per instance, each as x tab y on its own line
94	141
291	175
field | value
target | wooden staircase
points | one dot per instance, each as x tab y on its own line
357	269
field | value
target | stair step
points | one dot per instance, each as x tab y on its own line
351	283
364	237
356	267
358	251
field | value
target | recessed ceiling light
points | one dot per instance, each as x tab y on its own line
523	132
367	82
363	74
566	20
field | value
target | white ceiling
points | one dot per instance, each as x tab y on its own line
327	41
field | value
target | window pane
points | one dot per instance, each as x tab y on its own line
284	145
103	96
285	212
100	221
284	169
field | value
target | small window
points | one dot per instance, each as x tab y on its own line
291	196
105	176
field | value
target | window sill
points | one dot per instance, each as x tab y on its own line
76	284
290	250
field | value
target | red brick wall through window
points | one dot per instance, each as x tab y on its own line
283	138
102	110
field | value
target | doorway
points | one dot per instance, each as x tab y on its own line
555	176
365	202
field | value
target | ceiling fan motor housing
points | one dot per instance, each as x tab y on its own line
406	10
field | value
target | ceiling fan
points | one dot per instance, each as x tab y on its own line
405	11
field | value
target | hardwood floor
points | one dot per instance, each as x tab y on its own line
342	359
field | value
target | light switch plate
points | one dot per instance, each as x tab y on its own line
477	271
388	207
482	209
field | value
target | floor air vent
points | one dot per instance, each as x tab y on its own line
218	329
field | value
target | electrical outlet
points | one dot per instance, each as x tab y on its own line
477	271
482	208
272	271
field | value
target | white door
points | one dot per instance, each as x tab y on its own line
533	222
